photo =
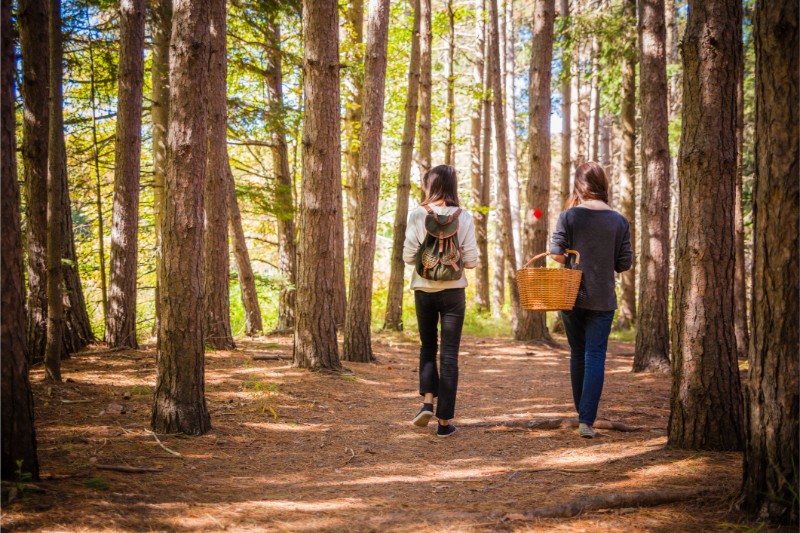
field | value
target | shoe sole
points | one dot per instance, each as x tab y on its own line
586	436
422	419
449	434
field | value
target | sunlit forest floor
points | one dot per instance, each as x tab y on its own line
292	450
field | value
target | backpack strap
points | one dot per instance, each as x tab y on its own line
428	208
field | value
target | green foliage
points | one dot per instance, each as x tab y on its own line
21	476
97	483
264	393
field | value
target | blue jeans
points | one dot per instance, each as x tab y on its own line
448	307
587	332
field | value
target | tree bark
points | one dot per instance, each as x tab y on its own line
19	434
652	335
739	278
481	201
626	317
449	142
706	404
315	344
287	249
216	253
566	113
33	24
533	325
357	344
594	103
180	404
769	488
504	211
353	109
509	97
247	282
121	322
55	348
394	305
425	82
161	11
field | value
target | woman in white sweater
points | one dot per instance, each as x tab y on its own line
440	241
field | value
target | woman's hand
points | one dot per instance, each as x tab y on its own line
559	258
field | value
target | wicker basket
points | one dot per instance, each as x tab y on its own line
548	289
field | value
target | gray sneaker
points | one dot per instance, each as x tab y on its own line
586	431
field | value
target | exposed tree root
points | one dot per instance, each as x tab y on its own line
270	357
127	469
557	423
648	498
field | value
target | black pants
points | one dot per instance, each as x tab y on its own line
448	306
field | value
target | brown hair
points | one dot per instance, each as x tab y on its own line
590	183
441	183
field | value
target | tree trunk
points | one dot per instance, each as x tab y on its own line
357	344
161	11
481	214
449	142
19	434
425	66
626	316
315	344
509	97
739	277
121	323
216	253
247	282
55	349
594	103
504	206
566	112
353	107
394	304
652	335
769	488
287	249
180	404
706	404
533	325
33	24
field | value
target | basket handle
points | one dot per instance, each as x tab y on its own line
545	254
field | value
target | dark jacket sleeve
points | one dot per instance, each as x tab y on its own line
559	242
625	252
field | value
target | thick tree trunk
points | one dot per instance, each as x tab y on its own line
33	24
247	281
161	11
449	142
652	335
504	206
425	38
627	181
533	325
19	434
481	214
394	305
55	348
566	114
353	110
357	344
315	344
594	103
216	253
739	277
180	404
706	404
508	61
287	249
771	477
121	322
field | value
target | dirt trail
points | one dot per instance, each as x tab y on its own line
299	451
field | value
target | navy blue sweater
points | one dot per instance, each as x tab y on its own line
603	238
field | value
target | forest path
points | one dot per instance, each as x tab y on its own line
293	450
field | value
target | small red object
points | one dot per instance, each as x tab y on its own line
537	214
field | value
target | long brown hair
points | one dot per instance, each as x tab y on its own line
441	183
590	183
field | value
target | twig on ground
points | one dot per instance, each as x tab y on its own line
352	454
127	469
173	452
75	401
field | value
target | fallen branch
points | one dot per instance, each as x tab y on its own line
270	357
557	423
127	469
650	498
75	401
173	452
